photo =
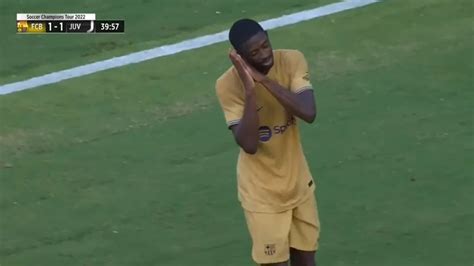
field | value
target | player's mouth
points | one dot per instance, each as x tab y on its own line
267	63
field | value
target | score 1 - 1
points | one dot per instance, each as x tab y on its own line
55	26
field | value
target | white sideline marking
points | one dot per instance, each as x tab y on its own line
164	50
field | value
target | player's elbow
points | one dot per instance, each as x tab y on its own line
248	142
250	150
310	116
248	147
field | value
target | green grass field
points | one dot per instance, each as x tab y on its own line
135	166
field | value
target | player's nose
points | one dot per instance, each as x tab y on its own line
264	57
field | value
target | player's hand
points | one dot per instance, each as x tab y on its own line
256	75
242	69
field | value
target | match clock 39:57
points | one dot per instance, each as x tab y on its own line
109	26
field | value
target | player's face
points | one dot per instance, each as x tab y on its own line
258	52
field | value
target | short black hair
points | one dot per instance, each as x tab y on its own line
242	30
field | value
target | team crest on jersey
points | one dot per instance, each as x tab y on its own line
270	249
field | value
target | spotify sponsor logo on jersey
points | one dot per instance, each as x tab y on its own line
265	133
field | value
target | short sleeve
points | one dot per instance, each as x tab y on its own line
232	103
300	78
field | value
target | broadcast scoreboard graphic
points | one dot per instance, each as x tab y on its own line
27	23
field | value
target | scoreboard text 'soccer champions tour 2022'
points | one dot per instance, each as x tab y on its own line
27	23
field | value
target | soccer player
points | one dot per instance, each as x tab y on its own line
261	95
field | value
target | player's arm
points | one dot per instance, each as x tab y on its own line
246	131
298	100
300	104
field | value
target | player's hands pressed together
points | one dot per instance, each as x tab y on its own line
301	105
255	74
243	70
246	131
